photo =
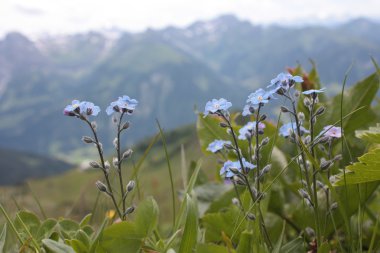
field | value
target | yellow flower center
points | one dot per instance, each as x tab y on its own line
75	106
216	106
260	98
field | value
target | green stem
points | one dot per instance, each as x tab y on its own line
119	161
100	152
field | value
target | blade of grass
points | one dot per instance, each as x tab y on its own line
373	238
37	201
169	169
11	223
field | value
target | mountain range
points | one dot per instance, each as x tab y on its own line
168	71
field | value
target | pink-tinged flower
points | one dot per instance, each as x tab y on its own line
248	129
332	131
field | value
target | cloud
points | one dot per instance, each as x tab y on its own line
69	16
28	10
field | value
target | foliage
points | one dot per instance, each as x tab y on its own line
271	209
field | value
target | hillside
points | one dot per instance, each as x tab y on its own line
16	166
168	71
79	185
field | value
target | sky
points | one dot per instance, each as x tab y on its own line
38	17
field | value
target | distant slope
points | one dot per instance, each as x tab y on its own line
168	71
79	186
16	167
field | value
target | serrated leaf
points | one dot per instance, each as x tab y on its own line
364	171
372	135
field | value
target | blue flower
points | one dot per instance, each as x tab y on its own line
289	128
229	167
83	108
258	97
217	105
217	145
308	92
284	81
248	129
122	104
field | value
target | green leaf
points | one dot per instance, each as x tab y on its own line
295	246
31	221
226	222
3	237
324	248
364	171
56	247
68	228
146	216
372	135
190	233
277	247
78	246
119	237
245	242
212	248
46	229
361	94
86	220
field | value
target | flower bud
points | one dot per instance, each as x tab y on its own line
114	142
333	206
306	102
101	187
94	165
325	164
252	109
265	141
338	157
107	166
263	117
129	210
310	232
115	162
87	139
222	124
320	111
130	186
251	216
94	125
126	125
127	154
303	194
301	116
297	94
284	109
235	201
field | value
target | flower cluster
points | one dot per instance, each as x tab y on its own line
123	105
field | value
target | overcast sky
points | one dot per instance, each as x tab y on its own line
68	16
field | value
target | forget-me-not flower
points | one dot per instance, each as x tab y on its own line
217	145
217	105
83	108
248	129
332	131
284	81
309	92
229	167
122	104
287	129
